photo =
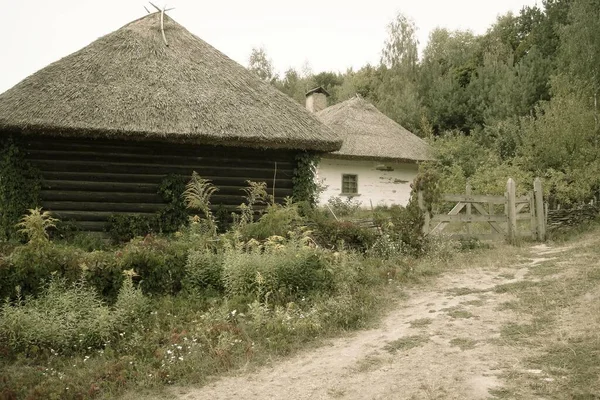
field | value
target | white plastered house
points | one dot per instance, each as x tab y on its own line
378	160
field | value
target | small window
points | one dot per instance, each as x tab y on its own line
349	184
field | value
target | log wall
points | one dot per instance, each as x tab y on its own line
88	180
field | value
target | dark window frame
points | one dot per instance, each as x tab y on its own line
349	183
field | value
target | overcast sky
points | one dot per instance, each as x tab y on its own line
328	34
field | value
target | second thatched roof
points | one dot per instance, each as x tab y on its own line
369	134
130	84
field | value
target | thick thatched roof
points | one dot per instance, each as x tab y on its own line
129	84
369	134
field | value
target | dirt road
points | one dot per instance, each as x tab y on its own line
439	344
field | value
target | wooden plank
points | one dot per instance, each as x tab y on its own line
474	198
100	206
494	224
208	159
532	220
91	226
52	184
109	197
480	236
512	210
539	209
469	214
112	146
92	215
264	174
61	185
442	225
466	218
152	178
521	206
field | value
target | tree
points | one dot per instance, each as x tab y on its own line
400	48
261	65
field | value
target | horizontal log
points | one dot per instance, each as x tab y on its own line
265	174
109	197
91	226
93	215
100	206
153	178
130	187
60	185
205	159
153	148
467	218
476	198
480	236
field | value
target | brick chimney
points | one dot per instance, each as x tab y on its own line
316	99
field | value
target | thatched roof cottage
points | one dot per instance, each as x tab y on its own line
107	123
379	158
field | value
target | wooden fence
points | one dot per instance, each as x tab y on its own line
497	217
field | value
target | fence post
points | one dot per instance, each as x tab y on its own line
532	215
426	226
511	206
539	209
468	194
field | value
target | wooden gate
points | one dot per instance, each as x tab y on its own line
489	217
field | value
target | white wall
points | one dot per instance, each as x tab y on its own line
375	183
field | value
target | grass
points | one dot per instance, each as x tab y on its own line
368	363
406	343
560	321
464	291
463	343
457	312
420	323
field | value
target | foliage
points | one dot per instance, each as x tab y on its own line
124	227
158	263
67	318
174	214
277	220
261	65
277	271
334	234
19	188
204	271
305	185
343	208
35	225
197	194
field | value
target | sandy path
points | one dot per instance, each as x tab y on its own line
435	345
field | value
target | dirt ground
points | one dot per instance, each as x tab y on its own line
437	344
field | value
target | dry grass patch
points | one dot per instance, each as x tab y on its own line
420	323
406	343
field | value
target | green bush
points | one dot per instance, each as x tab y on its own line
343	208
279	272
160	263
69	318
124	227
404	225
64	318
334	234
103	273
276	221
29	267
204	270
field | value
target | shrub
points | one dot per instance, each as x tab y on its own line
29	267
405	225
203	270
277	221
339	234
103	273
35	225
64	318
279	272
343	208
159	263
